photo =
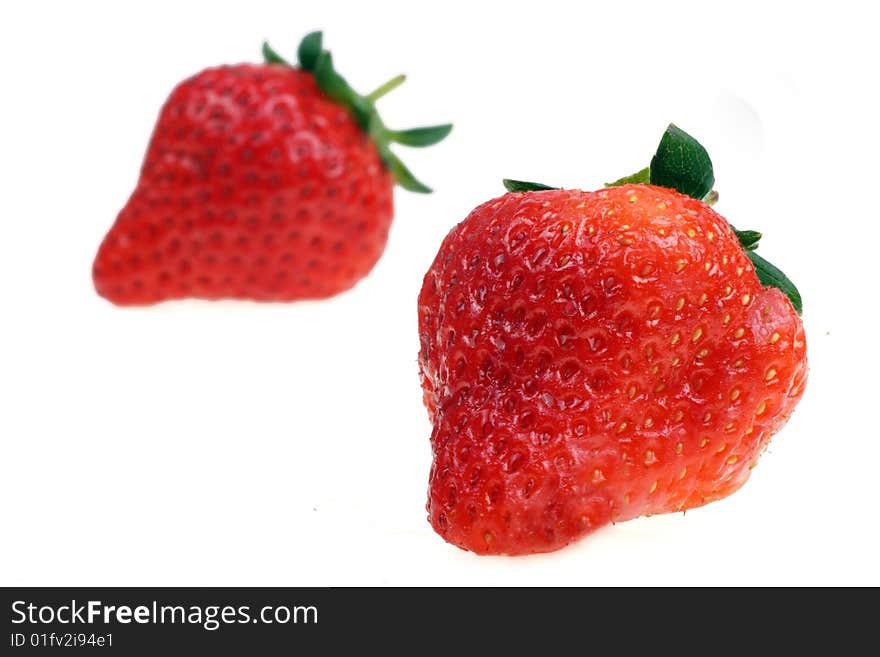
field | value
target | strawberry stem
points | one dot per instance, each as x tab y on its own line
314	59
389	86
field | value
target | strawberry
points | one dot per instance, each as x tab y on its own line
261	181
591	357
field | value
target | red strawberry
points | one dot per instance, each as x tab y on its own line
591	357
263	182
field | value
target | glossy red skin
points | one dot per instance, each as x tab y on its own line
254	186
560	396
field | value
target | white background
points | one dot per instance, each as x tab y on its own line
199	443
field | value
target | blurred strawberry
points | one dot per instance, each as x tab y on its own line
261	181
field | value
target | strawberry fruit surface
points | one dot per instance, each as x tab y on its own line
266	182
590	357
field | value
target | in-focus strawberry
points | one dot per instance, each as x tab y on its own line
261	181
590	357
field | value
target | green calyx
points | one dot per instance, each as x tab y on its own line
313	58
681	163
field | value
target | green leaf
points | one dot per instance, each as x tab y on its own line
771	276
309	50
272	57
523	186
331	83
337	88
421	136
402	175
643	176
362	110
681	163
748	238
